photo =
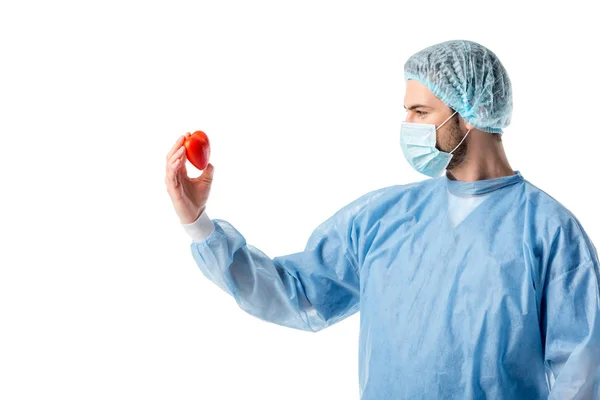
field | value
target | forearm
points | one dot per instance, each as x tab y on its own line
260	286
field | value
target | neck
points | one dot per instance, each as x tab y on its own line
485	159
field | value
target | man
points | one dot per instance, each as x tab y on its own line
471	284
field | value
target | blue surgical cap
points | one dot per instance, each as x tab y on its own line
468	78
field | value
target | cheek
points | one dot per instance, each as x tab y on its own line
443	136
429	119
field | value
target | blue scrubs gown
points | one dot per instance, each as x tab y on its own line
466	290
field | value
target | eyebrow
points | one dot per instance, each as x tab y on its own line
416	106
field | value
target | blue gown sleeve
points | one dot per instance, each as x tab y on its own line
571	316
309	290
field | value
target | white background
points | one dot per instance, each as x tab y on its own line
302	101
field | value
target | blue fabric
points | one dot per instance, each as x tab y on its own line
469	78
418	144
500	306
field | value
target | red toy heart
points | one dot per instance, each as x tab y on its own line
197	149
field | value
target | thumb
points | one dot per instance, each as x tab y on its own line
207	174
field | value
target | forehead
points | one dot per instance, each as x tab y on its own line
417	93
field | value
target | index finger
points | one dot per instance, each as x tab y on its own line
175	147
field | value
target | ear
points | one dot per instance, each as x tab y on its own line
468	125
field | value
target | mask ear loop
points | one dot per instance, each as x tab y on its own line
442	124
463	139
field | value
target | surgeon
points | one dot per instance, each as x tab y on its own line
471	283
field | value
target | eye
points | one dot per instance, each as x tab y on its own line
421	113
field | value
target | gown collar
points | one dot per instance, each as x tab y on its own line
481	186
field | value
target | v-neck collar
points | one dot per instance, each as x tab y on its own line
461	188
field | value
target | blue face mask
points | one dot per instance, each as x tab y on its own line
418	145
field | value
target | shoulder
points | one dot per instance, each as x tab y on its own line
391	194
400	190
545	206
560	239
374	204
